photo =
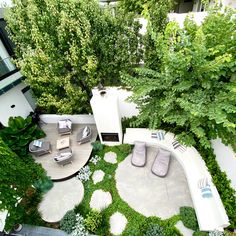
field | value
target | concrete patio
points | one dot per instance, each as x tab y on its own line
149	194
61	198
81	153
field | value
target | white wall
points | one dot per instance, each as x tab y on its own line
226	159
198	17
107	114
13	97
76	119
231	3
127	109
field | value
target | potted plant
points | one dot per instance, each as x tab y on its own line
18	227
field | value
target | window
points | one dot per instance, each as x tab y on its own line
6	65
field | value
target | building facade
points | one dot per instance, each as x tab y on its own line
16	97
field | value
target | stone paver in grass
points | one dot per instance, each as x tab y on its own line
62	197
100	200
98	176
110	157
185	231
149	194
117	223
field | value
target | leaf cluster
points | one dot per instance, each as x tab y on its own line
189	218
19	133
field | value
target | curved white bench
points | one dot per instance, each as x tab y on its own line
210	212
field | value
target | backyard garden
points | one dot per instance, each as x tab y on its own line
186	86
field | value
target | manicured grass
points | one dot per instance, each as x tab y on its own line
137	223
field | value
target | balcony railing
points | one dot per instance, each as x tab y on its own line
6	66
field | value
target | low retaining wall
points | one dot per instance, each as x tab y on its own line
76	119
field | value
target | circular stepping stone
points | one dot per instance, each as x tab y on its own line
117	223
63	196
110	157
100	200
98	176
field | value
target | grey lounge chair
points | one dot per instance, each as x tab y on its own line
161	164
64	126
139	154
84	135
38	151
64	157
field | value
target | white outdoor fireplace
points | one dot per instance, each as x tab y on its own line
105	108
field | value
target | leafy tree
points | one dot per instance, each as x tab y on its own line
193	88
157	14
65	48
136	6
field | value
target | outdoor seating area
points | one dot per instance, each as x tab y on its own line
66	155
205	198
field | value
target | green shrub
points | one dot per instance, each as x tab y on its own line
93	221
68	221
44	184
189	218
19	133
154	230
200	233
133	231
97	146
125	149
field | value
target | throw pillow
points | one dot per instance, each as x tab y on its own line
62	124
37	143
85	132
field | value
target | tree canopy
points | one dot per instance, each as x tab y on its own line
65	48
192	88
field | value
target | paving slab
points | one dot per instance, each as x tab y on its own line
100	200
149	194
117	223
64	196
110	157
98	176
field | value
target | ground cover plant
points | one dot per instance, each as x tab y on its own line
18	196
189	218
137	223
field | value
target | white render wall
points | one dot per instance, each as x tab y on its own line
107	114
14	97
76	119
226	159
231	3
127	109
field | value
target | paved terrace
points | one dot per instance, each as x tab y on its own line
81	153
149	194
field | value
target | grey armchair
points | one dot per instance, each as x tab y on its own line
84	135
38	151
64	126
64	157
